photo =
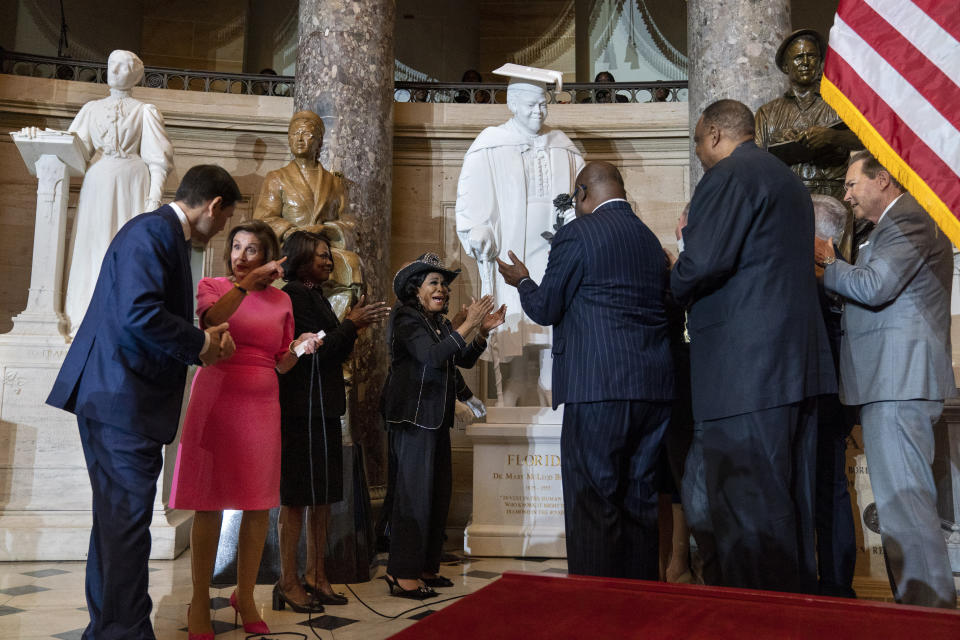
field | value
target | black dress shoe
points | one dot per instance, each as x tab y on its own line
438	581
322	597
420	593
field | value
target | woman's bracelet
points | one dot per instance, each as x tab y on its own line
236	285
290	349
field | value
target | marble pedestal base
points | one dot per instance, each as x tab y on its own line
517	490
45	493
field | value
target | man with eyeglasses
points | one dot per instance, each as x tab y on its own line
895	361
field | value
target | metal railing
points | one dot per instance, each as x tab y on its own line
261	84
22	64
573	93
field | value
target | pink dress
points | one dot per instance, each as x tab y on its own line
229	454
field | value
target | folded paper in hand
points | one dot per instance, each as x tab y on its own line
301	348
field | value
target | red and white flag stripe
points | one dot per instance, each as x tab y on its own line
892	73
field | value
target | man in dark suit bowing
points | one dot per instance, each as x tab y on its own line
603	292
759	357
124	378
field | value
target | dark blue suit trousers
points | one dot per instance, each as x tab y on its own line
124	468
608	453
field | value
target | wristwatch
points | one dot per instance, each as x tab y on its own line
827	260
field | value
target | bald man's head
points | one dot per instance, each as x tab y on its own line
597	183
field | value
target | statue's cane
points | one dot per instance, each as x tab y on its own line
487	274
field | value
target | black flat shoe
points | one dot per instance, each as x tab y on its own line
438	581
280	599
324	598
420	593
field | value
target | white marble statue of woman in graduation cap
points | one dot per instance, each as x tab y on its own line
510	176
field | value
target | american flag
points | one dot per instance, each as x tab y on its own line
892	73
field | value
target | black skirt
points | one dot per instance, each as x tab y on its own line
306	454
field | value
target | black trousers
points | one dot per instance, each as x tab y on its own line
608	457
833	515
123	468
421	499
748	497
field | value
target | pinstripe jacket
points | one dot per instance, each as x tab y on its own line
603	292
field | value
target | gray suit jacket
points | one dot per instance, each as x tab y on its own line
896	320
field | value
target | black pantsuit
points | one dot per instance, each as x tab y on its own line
418	405
421	499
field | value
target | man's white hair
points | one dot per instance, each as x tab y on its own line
831	216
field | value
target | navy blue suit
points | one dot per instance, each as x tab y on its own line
603	292
124	379
759	358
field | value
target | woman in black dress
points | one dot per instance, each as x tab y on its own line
312	400
418	402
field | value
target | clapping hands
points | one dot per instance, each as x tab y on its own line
488	322
493	320
363	314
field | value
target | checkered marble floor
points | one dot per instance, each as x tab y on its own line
46	600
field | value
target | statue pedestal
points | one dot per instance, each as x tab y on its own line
517	490
45	495
44	486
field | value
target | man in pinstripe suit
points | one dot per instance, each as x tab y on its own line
603	293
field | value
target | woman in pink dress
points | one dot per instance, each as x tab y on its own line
229	454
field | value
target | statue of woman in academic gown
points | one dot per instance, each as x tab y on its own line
510	176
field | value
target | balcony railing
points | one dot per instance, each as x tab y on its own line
270	85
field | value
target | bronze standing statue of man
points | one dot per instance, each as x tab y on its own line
803	130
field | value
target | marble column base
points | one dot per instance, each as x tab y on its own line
517	489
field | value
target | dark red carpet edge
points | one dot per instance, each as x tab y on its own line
525	605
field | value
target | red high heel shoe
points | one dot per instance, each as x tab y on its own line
259	627
197	636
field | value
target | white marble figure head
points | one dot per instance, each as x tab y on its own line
527	101
124	70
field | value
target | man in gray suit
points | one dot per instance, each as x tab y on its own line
895	361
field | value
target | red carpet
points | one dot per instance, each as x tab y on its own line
524	605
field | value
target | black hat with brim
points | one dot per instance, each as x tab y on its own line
810	33
426	263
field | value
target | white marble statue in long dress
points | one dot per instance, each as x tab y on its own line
130	158
510	176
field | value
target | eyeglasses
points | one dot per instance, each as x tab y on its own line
582	190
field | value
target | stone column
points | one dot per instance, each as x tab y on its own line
345	64
731	48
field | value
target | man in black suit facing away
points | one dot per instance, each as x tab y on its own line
759	357
603	292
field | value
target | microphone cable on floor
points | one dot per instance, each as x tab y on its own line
315	376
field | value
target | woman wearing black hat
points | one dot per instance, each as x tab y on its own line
418	401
